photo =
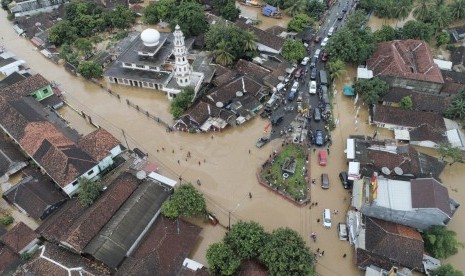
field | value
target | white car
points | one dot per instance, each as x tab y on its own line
305	61
327	218
312	87
295	85
324	42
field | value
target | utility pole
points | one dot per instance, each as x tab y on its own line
124	135
229	224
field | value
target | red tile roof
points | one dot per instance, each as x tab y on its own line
429	193
9	260
408	59
19	237
98	143
407	118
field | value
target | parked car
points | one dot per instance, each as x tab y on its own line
344	9
340	16
295	86
317	39
316	114
291	95
313	62
312	87
262	141
322	157
330	31
313	74
317	53
324	181
327	218
325	57
324	42
298	72
276	118
319	140
305	61
344	180
342	231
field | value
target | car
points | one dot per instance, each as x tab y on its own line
324	42
344	9
340	16
325	57
342	231
298	72
317	114
322	157
317	53
312	87
292	95
313	74
330	31
319	140
262	141
324	181
327	218
313	62
277	118
317	39
305	61
295	86
344	180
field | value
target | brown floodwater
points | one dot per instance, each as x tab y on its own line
222	161
375	23
266	22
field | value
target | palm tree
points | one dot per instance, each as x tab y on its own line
442	17
456	110
336	69
457	8
250	41
422	9
402	10
222	54
298	7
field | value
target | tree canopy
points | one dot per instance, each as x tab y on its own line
246	239
182	101
221	259
299	22
186	201
351	46
227	9
406	102
449	151
285	253
88	191
90	69
336	68
456	109
371	90
62	32
446	270
386	33
315	9
417	30
440	242
293	50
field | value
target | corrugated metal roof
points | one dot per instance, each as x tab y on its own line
394	194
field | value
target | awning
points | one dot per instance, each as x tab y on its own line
163	179
354	170
350	151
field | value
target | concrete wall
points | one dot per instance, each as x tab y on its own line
420	86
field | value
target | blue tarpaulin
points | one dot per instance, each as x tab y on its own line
348	90
269	10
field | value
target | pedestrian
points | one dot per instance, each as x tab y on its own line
158	150
345	255
249	151
250	195
186	159
318	220
163	149
314	150
198	182
318	250
322	253
178	162
172	151
327	150
204	160
212	136
199	163
316	203
180	178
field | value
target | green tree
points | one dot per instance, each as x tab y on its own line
440	242
442	39
351	46
440	17
285	253
422	9
222	54
293	50
298	7
456	109
62	32
402	9
69	55
299	22
336	68
161	10
227	9
406	102
84	46
6	219
386	33
90	69
88	191
246	239
191	18
182	101
122	17
315	9
221	259
250	41
356	20
417	30
446	270
457	8
370	91
186	201
5	4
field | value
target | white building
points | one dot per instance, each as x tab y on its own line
9	64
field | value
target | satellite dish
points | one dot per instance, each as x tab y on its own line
219	104
281	78
398	171
386	171
239	94
141	175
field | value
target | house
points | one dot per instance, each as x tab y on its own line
421	101
266	41
419	203
456	34
9	260
204	116
9	64
374	155
388	244
51	259
163	251
398	118
406	64
458	58
35	86
20	238
12	78
157	61
35	195
237	88
454	82
265	76
32	7
427	136
11	159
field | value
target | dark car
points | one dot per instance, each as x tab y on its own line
317	39
340	16
319	140
316	114
344	180
262	141
325	57
324	181
276	119
313	74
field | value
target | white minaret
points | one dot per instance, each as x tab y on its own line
182	68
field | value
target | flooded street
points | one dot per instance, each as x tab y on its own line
266	22
221	160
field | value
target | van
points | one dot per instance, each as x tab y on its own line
330	32
317	53
342	231
327	218
323	78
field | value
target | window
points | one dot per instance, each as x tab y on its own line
75	183
90	172
127	64
140	66
34	96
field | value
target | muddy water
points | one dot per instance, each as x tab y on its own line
266	22
226	170
375	23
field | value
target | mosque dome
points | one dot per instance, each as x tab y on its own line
150	37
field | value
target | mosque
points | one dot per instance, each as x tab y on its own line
158	61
